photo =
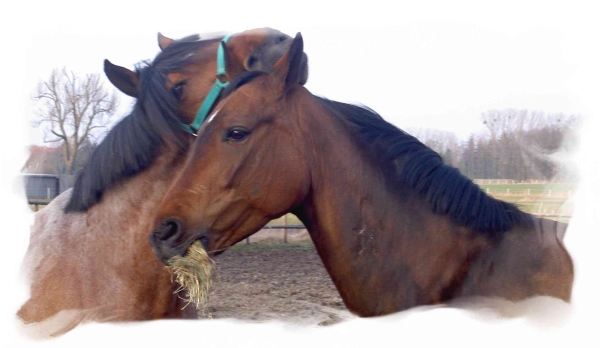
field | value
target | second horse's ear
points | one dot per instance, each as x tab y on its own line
124	79
290	69
164	42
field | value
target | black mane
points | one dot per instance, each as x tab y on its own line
443	187
132	145
239	81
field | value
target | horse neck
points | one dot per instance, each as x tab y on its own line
372	238
130	204
123	280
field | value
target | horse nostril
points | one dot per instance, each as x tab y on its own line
168	228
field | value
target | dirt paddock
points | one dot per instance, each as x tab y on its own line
269	280
265	281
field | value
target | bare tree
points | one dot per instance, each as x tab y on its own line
520	143
444	143
520	121
74	110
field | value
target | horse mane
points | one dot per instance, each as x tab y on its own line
444	189
239	81
133	144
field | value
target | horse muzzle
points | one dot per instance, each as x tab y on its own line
170	239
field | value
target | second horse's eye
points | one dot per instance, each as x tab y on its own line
237	134
177	90
250	62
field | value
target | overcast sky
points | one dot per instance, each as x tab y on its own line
427	66
437	64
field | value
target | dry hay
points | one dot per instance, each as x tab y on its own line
193	272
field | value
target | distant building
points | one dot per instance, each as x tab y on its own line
43	188
44	160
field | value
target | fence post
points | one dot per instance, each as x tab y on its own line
47	193
285	223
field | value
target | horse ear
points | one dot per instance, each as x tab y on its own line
290	67
234	66
124	79
164	42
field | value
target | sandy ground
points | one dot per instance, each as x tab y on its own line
284	282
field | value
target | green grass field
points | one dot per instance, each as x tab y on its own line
533	188
538	199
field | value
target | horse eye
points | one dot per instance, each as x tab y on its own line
281	39
237	134
177	90
250	62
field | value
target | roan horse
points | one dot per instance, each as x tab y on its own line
89	256
394	226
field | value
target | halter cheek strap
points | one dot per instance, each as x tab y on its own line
214	93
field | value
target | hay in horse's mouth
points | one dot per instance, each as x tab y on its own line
193	272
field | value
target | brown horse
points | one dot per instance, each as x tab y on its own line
89	257
394	226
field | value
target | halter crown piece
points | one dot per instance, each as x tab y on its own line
212	96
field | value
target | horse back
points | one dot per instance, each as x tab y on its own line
557	272
522	263
543	259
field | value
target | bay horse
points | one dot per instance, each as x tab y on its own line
89	256
394	226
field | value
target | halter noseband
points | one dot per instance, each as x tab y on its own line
214	93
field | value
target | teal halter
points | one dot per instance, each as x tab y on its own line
212	96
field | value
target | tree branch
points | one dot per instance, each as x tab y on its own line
58	135
72	109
